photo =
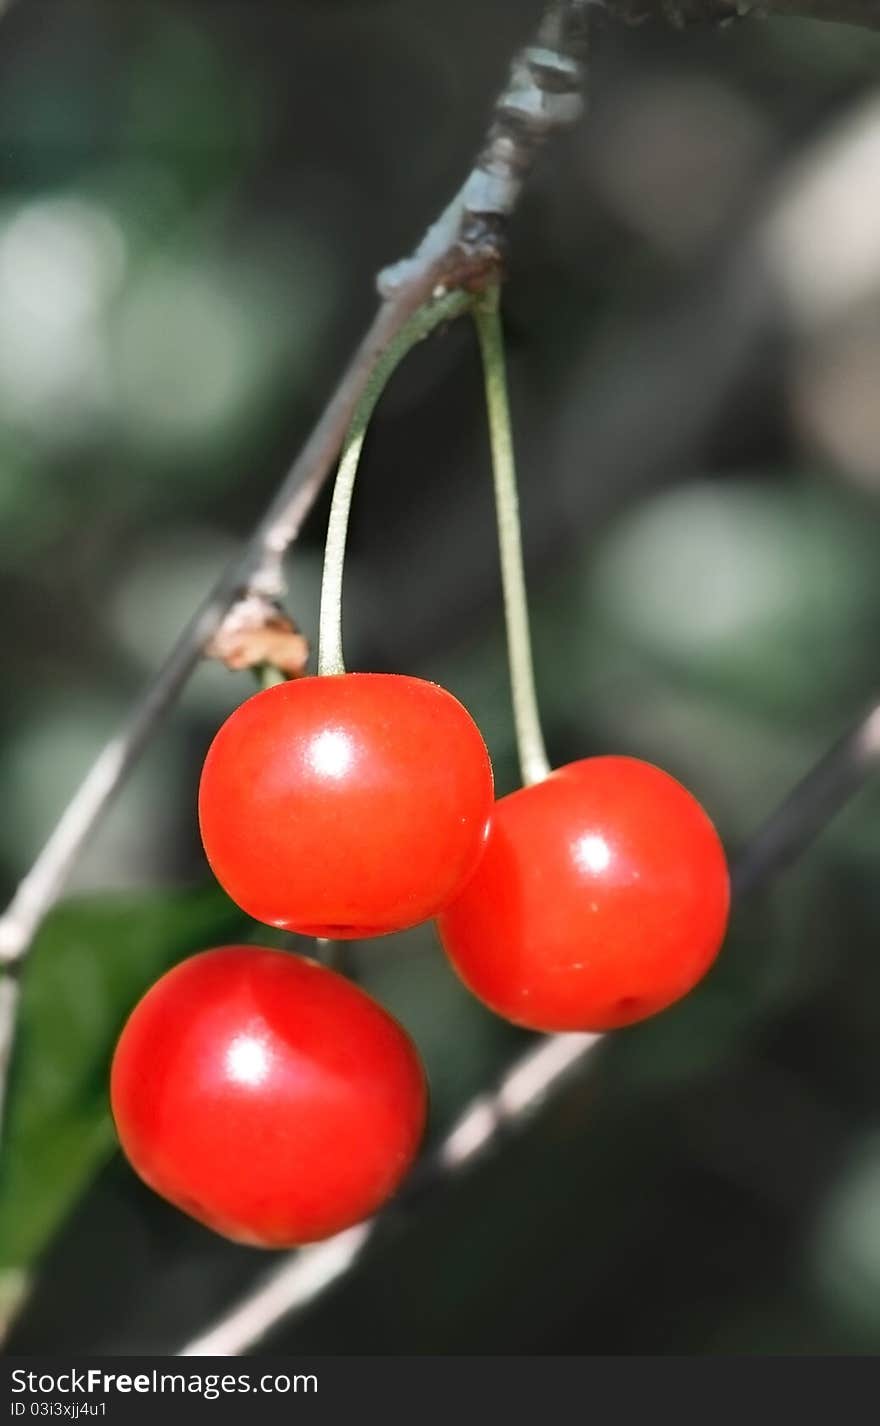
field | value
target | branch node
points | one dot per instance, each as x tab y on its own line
543	94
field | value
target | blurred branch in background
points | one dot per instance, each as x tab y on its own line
822	793
461	250
304	1276
695	12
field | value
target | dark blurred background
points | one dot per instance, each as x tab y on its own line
194	199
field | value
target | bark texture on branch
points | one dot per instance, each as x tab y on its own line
544	93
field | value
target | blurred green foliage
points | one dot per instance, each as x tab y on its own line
91	962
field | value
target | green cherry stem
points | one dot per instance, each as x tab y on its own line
533	761
423	321
268	675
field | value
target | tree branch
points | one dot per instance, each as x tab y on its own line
809	808
544	93
865	13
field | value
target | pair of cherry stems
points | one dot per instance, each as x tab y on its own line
534	764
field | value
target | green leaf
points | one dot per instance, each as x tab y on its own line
92	961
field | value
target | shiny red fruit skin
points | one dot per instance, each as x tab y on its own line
602	898
267	1096
348	805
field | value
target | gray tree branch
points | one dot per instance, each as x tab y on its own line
865	13
810	806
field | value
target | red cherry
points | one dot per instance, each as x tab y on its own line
347	805
267	1096
602	898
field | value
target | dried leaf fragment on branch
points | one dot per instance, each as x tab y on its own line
256	632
